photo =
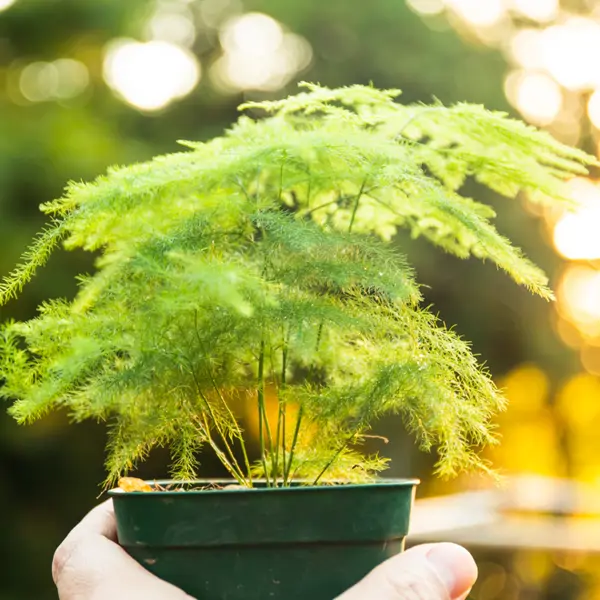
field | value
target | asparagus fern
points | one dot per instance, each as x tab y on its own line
260	261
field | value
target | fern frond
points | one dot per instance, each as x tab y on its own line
35	257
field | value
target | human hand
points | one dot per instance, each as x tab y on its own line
90	565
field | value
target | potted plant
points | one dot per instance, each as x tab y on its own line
256	268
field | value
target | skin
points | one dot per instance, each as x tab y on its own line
90	565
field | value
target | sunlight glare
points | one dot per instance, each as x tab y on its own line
426	7
576	233
579	296
477	12
4	4
150	75
258	54
593	109
536	95
175	27
542	11
570	53
525	49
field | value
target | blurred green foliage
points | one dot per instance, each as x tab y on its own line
49	473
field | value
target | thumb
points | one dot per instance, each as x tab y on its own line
428	572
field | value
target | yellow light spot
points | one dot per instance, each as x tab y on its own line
593	109
526	388
579	298
4	4
578	401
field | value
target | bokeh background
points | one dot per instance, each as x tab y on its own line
85	84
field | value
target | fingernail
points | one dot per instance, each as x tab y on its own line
455	568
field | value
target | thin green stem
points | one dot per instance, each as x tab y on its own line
281	414
263	421
356	202
340	450
234	421
220	454
234	463
293	447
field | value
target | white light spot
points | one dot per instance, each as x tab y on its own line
215	12
59	80
570	53
150	75
526	49
426	7
175	27
542	11
576	233
39	81
73	78
593	109
579	296
4	4
253	33
536	95
258	54
479	13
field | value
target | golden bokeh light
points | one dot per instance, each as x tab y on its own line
258	54
593	109
535	95
570	52
61	79
4	4
151	75
527	387
583	392
525	49
426	7
579	298
542	11
175	26
478	13
576	234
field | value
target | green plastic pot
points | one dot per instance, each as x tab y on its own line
297	543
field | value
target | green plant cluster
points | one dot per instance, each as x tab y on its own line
248	266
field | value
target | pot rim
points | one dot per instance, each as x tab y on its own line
379	483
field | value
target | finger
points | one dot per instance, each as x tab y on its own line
428	572
89	566
100	521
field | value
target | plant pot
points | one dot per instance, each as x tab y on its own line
265	543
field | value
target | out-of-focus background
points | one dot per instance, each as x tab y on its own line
84	85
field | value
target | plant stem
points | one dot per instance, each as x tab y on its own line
356	202
236	473
281	415
338	452
293	446
234	463
263	422
234	422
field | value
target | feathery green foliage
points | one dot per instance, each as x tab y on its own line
261	261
